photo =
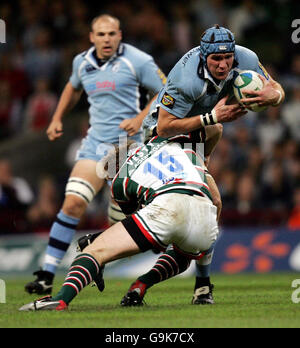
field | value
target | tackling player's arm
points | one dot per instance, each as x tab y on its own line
215	194
68	99
213	135
169	125
129	207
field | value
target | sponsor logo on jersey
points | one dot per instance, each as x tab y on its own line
168	101
115	67
179	177
189	55
89	68
100	86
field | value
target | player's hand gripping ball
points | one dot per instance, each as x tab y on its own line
248	80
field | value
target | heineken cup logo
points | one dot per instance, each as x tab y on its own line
2	291
2	31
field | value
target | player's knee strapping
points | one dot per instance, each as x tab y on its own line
80	188
115	213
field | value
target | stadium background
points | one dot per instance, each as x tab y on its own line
256	164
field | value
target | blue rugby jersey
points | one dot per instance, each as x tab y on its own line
113	90
190	89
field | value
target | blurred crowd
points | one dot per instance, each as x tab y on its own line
256	164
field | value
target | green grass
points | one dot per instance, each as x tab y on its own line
244	301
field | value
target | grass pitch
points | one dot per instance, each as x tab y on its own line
242	301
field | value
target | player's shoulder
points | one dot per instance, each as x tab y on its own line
80	57
134	54
186	74
245	57
190	59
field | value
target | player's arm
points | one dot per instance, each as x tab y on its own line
132	125
169	125
272	94
215	194
129	207
213	135
152	79
128	204
68	99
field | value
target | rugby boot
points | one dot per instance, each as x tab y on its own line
86	240
203	295
42	285
44	304
135	295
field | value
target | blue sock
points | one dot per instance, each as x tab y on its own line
202	271
61	235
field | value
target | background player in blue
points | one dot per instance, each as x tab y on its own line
111	73
197	94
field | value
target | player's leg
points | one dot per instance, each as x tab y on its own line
82	186
203	288
114	243
104	249
190	212
168	265
130	237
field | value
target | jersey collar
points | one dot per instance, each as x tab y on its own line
91	59
204	74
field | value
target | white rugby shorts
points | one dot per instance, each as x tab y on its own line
188	222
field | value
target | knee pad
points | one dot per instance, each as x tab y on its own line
80	188
115	213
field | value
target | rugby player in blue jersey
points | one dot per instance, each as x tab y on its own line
198	93
112	74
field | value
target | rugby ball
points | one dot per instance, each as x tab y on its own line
248	80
